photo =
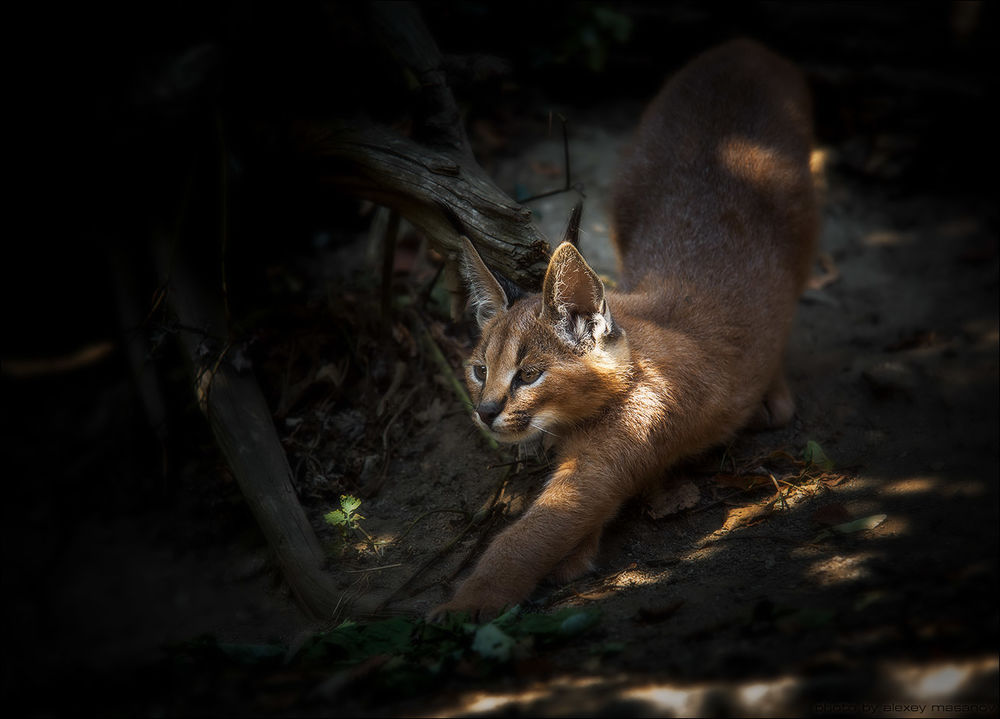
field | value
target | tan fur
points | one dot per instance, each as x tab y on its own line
715	226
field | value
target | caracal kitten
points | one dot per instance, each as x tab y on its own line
715	226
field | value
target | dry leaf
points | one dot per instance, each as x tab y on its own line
742	481
433	413
745	516
671	500
832	480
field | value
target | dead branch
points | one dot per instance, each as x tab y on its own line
432	179
241	422
442	195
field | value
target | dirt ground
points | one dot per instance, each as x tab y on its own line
756	583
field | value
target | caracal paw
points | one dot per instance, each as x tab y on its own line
481	599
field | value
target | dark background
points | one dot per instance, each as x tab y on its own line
115	125
120	104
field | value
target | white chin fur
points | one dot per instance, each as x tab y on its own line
515	437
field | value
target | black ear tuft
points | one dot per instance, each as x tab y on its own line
572	234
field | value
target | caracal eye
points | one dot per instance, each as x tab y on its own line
529	375
479	372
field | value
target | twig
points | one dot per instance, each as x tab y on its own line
568	184
784	503
433	559
397	380
372	569
388	260
495	509
413	523
710	505
488	514
402	405
372	488
425	294
371	541
494	513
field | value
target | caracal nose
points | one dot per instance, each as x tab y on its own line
489	411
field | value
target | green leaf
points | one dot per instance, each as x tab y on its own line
336	518
349	503
352	642
568	622
814	455
508	618
859	525
491	642
576	624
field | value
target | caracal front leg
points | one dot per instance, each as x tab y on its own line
777	407
580	559
571	509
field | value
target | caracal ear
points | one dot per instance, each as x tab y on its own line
572	234
573	299
485	293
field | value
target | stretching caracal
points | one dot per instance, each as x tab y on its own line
715	226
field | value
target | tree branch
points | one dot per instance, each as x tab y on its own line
443	196
431	179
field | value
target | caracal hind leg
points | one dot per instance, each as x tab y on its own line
776	408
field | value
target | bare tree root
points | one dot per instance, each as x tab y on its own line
244	430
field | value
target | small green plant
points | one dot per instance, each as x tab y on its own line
347	519
815	456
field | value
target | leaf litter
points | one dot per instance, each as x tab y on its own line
401	654
792	477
